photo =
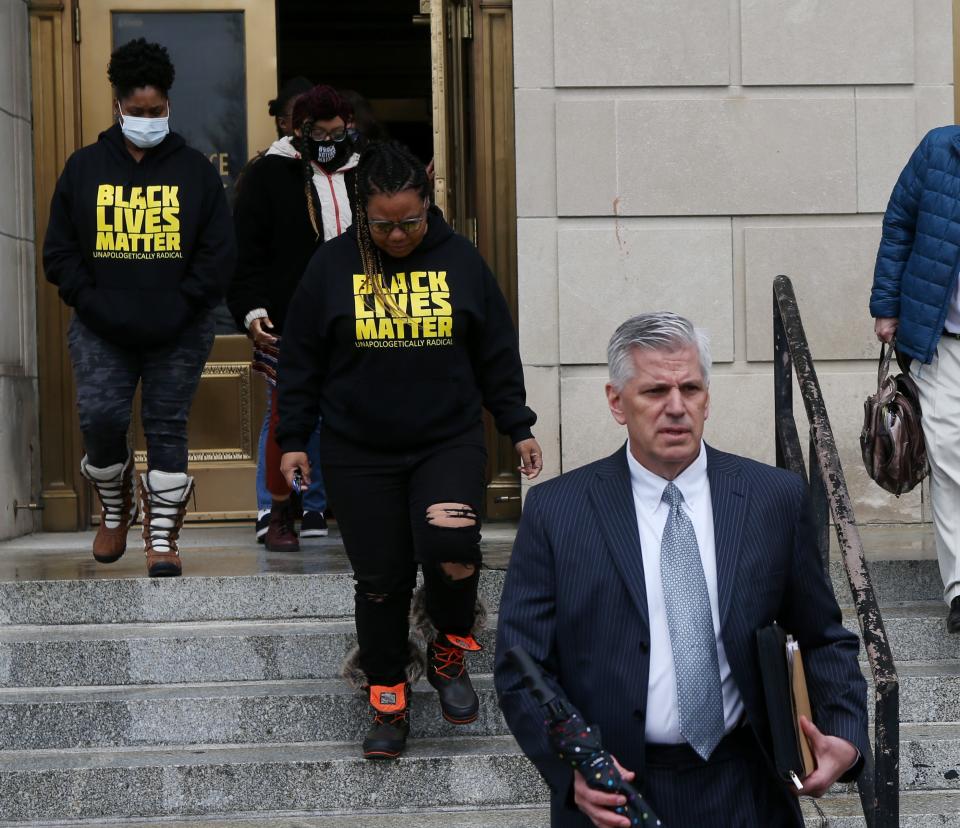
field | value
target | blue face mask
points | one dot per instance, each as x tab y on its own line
145	132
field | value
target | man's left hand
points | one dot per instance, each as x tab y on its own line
834	757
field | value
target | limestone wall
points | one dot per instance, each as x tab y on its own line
19	456
681	154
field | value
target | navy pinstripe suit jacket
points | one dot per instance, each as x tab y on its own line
575	598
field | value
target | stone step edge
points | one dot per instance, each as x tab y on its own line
200	690
266	753
128	757
255	688
17	633
438	817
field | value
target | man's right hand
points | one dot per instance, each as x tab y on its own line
258	330
885	328
597	805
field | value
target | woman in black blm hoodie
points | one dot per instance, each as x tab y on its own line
398	335
140	244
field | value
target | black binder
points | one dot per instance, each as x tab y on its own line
785	689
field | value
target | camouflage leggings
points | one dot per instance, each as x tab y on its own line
107	376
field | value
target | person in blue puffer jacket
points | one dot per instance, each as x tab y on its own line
916	300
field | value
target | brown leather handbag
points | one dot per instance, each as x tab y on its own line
891	441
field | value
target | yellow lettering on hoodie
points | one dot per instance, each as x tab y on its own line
171	218
137	201
360	309
105	195
105	241
153	196
133	220
360	284
366	329
438	281
152	220
102	223
170	198
416	282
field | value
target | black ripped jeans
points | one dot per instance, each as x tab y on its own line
380	500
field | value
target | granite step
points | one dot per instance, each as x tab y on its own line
272	596
176	653
916	630
452	773
305	711
475	773
224	713
261	597
917	810
200	652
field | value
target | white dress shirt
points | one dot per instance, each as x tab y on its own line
663	714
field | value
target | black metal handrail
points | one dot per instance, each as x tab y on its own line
879	784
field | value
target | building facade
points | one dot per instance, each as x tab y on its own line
19	430
679	156
668	155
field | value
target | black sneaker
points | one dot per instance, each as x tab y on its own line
387	736
447	673
263	522
953	617
313	525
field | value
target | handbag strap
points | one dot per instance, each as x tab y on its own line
886	354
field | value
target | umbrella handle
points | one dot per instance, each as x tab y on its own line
531	675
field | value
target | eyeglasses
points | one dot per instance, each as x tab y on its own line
322	135
385	228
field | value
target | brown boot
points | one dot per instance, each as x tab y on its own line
163	497
118	507
281	536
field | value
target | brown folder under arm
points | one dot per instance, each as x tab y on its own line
785	690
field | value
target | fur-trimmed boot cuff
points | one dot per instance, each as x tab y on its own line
357	679
422	624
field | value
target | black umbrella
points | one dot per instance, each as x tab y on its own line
579	744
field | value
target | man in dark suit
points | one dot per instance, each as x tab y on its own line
638	583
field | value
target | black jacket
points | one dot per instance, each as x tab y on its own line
275	237
139	249
400	383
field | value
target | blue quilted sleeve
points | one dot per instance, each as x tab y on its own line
899	225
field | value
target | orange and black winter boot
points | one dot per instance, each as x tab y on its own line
387	736
447	672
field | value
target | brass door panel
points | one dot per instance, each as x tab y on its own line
223	430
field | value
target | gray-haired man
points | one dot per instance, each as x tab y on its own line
638	583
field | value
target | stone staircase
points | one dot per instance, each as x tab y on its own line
214	700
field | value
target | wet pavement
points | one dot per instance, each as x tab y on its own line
204	550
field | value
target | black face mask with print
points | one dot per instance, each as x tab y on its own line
331	155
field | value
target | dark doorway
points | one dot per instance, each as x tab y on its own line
379	48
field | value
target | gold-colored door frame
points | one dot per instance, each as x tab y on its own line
56	132
474	152
59	30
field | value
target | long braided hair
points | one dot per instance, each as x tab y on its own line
385	168
322	103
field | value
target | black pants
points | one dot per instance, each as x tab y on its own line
381	502
107	376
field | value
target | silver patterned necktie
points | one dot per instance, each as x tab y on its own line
692	637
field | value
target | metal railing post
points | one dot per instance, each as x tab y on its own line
879	785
